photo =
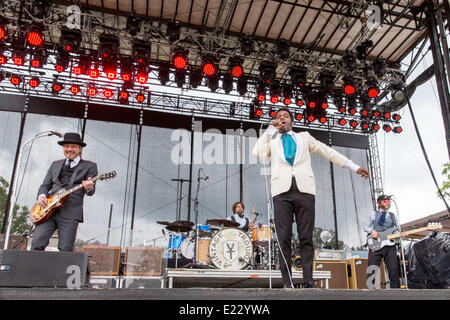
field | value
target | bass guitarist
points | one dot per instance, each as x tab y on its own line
64	174
380	221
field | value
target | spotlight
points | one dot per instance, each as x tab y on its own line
227	83
387	115
173	30
396	117
180	78
352	110
3	58
267	72
375	127
38	60
361	50
364	113
259	112
298	116
213	83
34	82
323	119
195	77
16	80
209	67
242	85
397	129
397	93
246	45
62	61
235	67
372	89
327	81
341	109
353	123
140	52
126	69
123	96
179	59
272	113
133	24
379	66
92	90
287	94
283	48
324	105
163	74
35	35
3	28
140	97
342	122
108	47
365	126
300	102
108	93
56	88
19	58
94	72
376	114
311	118
142	74
70	40
75	89
298	76
387	128
349	88
349	60
110	68
274	92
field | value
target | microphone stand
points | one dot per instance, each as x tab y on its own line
13	194
401	245
196	219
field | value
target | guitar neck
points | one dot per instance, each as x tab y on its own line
406	233
79	186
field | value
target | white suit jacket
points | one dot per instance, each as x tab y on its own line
269	147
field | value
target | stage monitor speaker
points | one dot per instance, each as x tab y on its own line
143	261
43	269
16	242
339	276
103	260
357	273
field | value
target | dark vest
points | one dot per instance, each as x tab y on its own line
244	228
66	174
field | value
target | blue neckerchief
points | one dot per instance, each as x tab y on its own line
290	148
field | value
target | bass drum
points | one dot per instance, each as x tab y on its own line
231	249
188	245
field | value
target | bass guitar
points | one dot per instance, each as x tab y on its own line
40	214
377	244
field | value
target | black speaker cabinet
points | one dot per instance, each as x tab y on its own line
43	269
338	269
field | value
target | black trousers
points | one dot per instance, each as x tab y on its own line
389	254
301	206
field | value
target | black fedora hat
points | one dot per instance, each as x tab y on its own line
72	137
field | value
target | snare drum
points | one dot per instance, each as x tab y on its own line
261	234
231	249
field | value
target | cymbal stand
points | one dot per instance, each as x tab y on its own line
196	218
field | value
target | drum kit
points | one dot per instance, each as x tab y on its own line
220	244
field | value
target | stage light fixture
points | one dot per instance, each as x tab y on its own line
272	113
341	109
209	68
227	83
397	93
376	113
246	45
397	129
213	83
349	60
180	78
163	73
242	83
110	68
56	88
352	110
133	24
300	102
327	82
75	89
37	61
123	96
19	58
16	79
311	118
140	97
70	40
259	112
274	99
387	128
34	82
323	119
361	50
3	28
287	101
286	92
353	123
77	70
92	90
173	30
342	122
35	35
267	71
298	76
142	74
3	58
372	88
396	117
235	66
375	127
126	69
387	115
195	77
283	47
94	72
141	52
349	88
108	47
365	125
324	105
379	66
298	116
108	93
62	61
364	113
180	59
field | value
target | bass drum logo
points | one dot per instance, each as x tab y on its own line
230	249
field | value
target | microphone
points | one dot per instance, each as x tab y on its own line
59	134
256	213
207	178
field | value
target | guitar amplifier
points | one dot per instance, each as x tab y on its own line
143	261
339	275
103	260
43	269
357	274
16	242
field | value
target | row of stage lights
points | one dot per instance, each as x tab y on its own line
136	69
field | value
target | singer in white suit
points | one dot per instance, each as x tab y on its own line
293	187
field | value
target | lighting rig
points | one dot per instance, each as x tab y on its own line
343	97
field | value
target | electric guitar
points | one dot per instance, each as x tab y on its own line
376	244
40	214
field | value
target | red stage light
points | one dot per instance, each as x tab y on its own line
324	105
342	122
94	73
341	109
259	112
274	99
108	93
3	32
376	114
34	82
126	76
323	119
179	60
36	63
396	117
92	91
272	114
140	97
353	123
141	78
397	129
74	89
56	87
375	127
68	48
387	128
365	125
35	38
209	69
3	59
311	118
111	75
298	116
387	115
123	94
364	112
261	97
237	71
287	101
16	80
349	89
373	92
352	111
19	60
77	70
300	102
312	104
59	68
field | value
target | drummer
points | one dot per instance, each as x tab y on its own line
238	216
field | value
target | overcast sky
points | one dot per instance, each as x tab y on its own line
403	165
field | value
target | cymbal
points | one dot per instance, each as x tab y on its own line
166	223
222	222
178	228
183	223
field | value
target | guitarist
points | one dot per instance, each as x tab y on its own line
379	221
65	173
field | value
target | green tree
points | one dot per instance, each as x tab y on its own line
445	190
20	222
